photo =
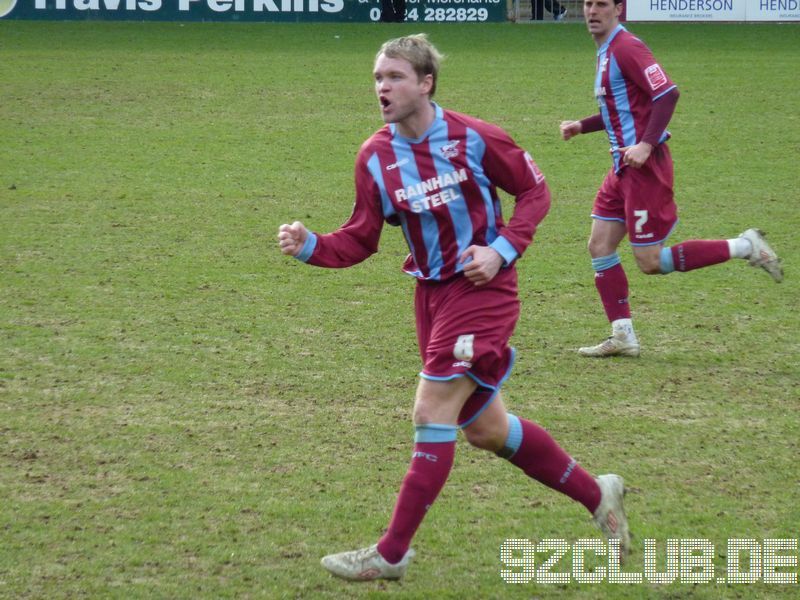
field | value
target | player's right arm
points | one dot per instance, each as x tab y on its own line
569	129
356	240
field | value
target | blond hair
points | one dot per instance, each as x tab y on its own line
417	50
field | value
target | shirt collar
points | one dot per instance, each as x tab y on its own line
602	49
438	115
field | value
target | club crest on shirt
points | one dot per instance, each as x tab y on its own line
450	149
655	76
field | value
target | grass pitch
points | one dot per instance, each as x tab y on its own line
186	413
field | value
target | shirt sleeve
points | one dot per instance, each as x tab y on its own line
592	124
660	116
513	170
639	66
357	239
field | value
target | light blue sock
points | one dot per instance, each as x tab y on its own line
665	261
514	439
603	263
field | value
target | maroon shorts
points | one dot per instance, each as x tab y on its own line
464	330
641	198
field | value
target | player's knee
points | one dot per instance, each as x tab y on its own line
431	412
422	415
595	248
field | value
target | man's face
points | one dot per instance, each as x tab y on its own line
602	16
400	92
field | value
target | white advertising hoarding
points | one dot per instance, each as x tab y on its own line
713	10
773	10
686	10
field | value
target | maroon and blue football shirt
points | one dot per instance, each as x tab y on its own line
627	82
441	189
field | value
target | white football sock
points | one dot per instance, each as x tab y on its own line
624	326
740	247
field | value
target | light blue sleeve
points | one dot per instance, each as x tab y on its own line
308	247
504	249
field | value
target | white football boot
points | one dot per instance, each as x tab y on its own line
610	514
617	345
365	564
762	255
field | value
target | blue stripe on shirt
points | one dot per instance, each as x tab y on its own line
459	212
620	92
374	166
430	229
477	148
602	55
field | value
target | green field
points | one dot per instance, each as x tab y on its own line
185	413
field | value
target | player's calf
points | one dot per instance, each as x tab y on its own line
648	259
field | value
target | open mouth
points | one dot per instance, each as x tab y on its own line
384	102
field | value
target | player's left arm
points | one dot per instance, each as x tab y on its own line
513	170
640	66
662	111
510	168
